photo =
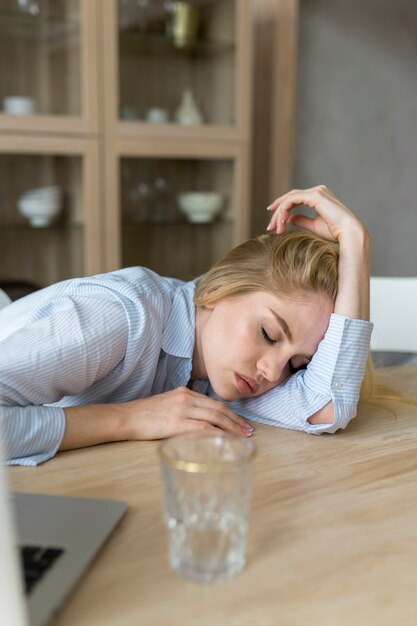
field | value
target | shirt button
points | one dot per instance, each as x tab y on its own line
337	385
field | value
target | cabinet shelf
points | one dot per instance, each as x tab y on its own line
155	44
40	229
175	222
173	132
44	27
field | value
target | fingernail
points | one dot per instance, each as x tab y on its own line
269	227
248	430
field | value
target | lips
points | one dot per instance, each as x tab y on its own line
245	385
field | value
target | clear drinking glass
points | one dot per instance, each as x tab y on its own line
207	480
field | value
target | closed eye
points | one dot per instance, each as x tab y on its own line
266	337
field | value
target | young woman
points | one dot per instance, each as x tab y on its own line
276	332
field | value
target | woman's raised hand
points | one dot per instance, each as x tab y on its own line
334	220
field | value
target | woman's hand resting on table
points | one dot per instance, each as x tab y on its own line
179	411
171	413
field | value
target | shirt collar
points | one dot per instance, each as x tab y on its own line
179	332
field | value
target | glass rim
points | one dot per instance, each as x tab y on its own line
200	467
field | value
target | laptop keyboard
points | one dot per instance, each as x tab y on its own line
36	560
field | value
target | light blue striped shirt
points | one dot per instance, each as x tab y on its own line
130	334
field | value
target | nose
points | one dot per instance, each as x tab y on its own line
271	366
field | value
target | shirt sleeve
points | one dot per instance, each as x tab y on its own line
335	373
61	348
32	434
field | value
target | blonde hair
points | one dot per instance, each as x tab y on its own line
283	265
279	264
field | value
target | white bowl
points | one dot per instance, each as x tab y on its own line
40	211
19	105
157	115
200	206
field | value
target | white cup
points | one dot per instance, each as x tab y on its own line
19	105
157	115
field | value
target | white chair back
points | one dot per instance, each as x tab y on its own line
4	299
394	314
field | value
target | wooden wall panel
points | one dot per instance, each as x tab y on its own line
275	24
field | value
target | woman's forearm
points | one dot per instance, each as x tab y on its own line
164	415
93	424
353	292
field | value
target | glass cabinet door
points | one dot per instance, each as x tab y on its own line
177	131
176	213
46	234
47	65
185	55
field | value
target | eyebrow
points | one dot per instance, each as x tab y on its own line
283	325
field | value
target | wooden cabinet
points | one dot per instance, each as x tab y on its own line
105	80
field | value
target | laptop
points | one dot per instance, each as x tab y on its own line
46	543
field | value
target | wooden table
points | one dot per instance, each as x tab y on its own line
333	530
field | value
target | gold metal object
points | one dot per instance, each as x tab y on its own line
185	24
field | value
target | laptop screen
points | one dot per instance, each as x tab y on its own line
12	604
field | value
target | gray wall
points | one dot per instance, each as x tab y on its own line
356	117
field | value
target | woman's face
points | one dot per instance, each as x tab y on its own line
249	343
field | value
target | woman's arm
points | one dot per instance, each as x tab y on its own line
177	411
352	298
53	346
33	434
336	222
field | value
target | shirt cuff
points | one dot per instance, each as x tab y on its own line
32	434
339	364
